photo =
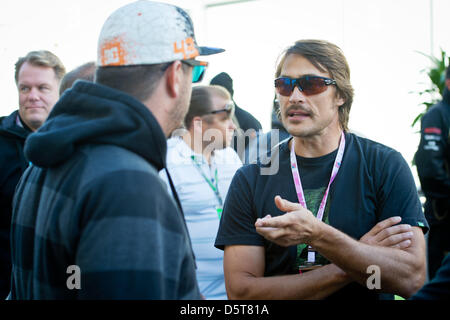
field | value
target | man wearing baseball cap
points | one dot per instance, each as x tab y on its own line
91	217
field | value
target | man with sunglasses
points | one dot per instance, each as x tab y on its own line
91	218
202	164
325	224
433	166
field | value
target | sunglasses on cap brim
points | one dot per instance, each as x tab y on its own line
199	68
308	85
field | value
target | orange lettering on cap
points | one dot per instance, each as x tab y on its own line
192	51
187	48
113	53
180	49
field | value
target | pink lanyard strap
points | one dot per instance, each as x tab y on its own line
299	188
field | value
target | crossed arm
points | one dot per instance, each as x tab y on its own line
244	278
402	271
399	252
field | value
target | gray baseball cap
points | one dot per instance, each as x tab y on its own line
147	32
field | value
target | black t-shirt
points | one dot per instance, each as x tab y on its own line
315	174
374	183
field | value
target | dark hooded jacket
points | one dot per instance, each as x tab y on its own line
433	161
245	120
12	165
91	217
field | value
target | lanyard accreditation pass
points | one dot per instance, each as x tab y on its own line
214	185
299	189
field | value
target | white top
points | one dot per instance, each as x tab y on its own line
200	205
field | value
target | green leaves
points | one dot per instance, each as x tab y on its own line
418	118
436	74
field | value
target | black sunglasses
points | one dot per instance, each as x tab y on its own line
229	109
309	85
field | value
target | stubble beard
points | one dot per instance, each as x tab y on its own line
180	110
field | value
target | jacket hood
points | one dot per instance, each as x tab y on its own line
223	79
9	127
94	114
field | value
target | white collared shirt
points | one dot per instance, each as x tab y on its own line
200	205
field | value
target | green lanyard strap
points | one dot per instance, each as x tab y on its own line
214	187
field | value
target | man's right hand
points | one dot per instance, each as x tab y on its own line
388	233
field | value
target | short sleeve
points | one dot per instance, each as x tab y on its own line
397	193
237	225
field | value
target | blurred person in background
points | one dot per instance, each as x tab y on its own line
439	287
37	75
247	125
433	167
276	120
84	72
202	165
264	142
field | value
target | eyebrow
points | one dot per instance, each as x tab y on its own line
26	83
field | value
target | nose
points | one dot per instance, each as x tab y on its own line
33	95
296	96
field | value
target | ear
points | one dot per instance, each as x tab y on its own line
174	78
339	100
